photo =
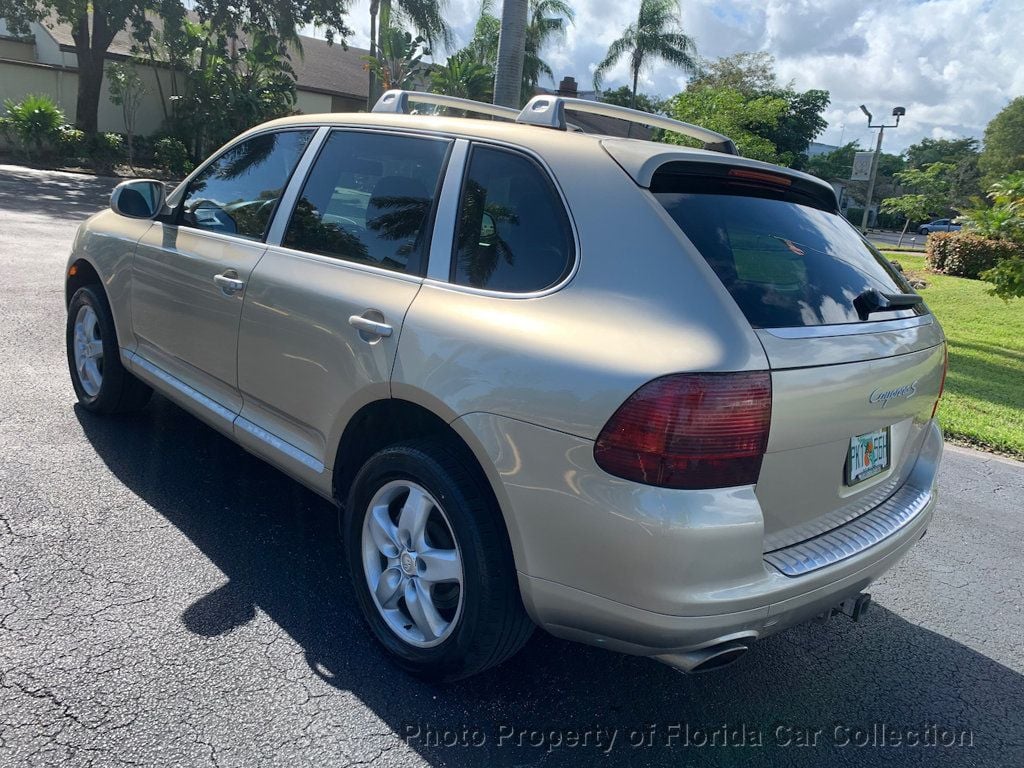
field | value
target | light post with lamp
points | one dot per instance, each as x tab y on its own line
897	112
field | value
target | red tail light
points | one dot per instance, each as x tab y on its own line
704	430
942	383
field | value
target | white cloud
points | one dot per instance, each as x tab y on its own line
952	63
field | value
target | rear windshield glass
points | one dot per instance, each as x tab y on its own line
786	264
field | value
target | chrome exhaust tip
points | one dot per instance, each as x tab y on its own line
704	659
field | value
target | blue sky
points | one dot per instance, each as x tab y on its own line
952	63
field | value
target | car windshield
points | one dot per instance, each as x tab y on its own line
785	264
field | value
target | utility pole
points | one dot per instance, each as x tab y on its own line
897	112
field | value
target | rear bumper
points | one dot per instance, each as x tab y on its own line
584	617
652	571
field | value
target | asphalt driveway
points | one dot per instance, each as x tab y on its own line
166	599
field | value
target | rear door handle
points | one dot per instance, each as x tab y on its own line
229	282
370	329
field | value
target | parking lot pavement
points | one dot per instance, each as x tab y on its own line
166	599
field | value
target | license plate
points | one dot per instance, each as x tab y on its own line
869	456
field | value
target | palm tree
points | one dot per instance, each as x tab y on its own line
655	34
425	16
508	80
548	19
463	76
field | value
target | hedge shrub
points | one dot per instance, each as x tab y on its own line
965	254
171	156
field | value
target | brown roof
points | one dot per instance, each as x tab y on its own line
320	67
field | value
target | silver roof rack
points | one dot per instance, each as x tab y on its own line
397	102
549	111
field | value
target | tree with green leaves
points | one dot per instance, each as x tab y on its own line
426	17
952	151
232	85
549	20
963	154
623	97
483	47
463	76
656	34
795	119
400	61
745	120
775	126
1003	153
94	23
126	91
928	195
746	72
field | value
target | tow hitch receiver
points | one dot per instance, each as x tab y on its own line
854	607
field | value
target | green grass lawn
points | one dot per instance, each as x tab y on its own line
984	400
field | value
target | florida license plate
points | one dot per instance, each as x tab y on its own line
869	456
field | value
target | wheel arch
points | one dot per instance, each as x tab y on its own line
80	273
384	422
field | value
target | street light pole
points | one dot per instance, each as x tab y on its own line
897	112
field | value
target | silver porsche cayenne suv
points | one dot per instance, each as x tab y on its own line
658	399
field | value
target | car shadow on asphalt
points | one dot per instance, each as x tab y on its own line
830	686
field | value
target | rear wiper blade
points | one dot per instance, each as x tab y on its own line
873	300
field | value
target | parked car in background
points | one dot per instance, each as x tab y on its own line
662	400
939	225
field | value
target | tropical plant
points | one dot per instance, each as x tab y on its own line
508	80
1004	218
464	77
400	59
483	47
232	84
94	25
126	91
35	122
425	16
656	34
548	21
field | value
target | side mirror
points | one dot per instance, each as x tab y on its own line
138	198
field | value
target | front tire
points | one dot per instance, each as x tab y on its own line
94	358
431	564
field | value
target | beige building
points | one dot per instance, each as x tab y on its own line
328	77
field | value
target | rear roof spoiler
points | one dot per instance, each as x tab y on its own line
642	160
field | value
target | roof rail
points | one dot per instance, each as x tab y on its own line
549	111
398	102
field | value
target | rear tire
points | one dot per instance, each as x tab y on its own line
478	619
94	358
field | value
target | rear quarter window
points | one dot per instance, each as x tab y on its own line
513	233
785	260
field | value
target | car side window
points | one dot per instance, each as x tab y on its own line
368	199
237	193
513	233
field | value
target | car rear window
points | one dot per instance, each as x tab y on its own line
784	258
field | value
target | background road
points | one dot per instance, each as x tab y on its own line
889	239
166	599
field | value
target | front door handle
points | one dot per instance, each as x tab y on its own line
229	282
370	329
